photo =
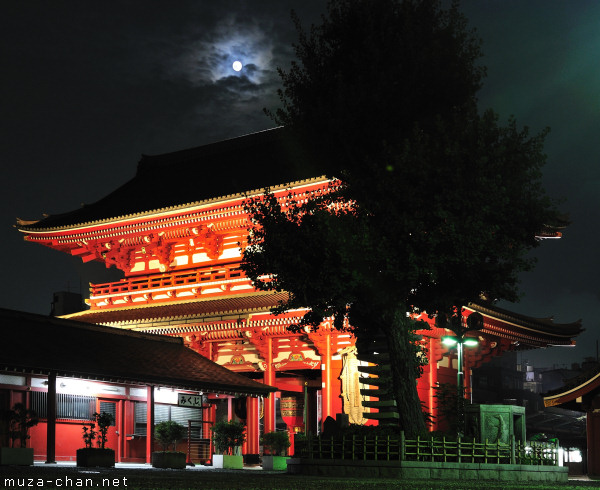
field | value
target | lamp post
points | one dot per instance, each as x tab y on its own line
474	322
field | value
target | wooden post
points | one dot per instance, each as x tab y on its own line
149	422
402	446
51	420
252	426
189	444
327	376
269	379
120	423
433	381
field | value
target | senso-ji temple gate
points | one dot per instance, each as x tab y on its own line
175	230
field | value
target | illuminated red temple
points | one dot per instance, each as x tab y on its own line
175	230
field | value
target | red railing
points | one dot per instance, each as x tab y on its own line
177	281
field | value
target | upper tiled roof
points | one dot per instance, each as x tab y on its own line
255	161
43	344
183	309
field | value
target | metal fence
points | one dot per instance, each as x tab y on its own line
398	448
199	449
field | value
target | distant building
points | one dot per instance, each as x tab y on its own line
66	302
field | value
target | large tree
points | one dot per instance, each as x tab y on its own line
435	202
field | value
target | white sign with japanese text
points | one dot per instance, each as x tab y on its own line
185	400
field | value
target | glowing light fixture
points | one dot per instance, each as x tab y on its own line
449	341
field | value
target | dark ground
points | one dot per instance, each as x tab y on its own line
62	477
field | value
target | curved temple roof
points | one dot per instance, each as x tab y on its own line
536	332
182	178
42	344
581	389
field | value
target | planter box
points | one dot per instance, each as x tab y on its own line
95	457
169	460
274	462
21	456
228	461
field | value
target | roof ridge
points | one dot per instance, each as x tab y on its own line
65	322
158	160
30	228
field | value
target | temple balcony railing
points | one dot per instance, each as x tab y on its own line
167	287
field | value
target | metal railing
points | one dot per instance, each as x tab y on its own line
398	448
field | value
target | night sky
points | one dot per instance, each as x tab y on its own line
87	88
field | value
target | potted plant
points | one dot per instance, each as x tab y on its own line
20	420
228	438
101	456
275	445
169	433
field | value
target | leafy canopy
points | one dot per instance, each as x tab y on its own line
446	201
433	202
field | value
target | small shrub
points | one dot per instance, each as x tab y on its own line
169	433
228	437
20	420
276	442
102	421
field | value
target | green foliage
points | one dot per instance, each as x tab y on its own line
89	434
435	202
20	420
169	433
450	405
228	437
371	70
102	421
277	442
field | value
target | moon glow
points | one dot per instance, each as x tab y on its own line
237	65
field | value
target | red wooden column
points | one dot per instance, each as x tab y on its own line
263	343
269	378
120	423
51	420
326	379
252	426
149	423
321	339
128	417
593	443
434	352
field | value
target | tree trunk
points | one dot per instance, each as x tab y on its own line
404	367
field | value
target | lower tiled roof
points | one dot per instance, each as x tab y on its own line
247	303
42	344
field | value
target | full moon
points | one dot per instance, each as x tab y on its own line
237	65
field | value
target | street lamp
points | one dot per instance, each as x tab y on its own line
459	342
474	322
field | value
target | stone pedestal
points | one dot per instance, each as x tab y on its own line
496	423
